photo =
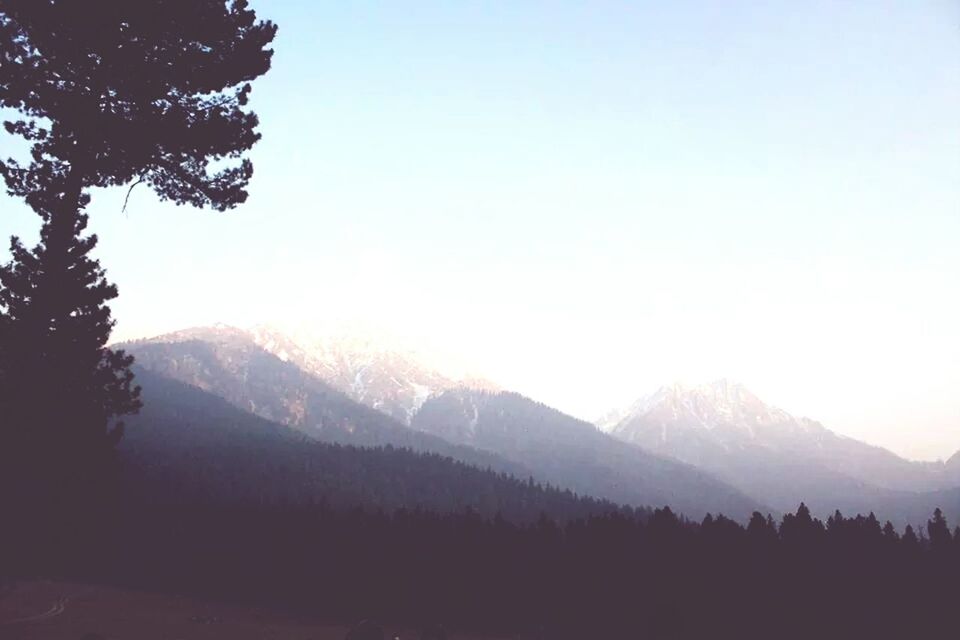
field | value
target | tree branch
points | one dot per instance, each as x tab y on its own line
127	199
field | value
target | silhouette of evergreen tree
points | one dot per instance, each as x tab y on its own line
762	531
61	389
152	91
801	528
107	93
890	535
111	92
62	386
872	526
909	538
938	532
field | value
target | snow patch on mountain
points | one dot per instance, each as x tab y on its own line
721	405
725	429
371	367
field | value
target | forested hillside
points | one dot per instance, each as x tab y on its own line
229	364
524	439
601	577
187	445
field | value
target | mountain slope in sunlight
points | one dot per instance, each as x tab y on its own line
228	363
369	368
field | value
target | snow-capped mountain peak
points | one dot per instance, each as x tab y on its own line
725	429
374	368
719	404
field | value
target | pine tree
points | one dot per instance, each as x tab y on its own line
799	528
938	532
909	539
153	91
835	524
890	535
62	389
55	328
762	531
62	392
108	93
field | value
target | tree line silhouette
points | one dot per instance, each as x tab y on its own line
644	575
217	502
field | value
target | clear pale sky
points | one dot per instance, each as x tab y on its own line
587	200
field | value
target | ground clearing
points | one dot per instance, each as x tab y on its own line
48	610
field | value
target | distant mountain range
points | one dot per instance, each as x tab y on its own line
230	363
709	448
725	429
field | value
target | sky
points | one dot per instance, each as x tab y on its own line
585	201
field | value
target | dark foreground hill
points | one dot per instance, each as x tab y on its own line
603	577
223	506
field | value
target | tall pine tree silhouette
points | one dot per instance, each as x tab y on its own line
109	93
939	531
62	388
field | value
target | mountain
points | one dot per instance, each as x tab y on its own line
369	368
781	459
188	445
953	465
228	362
564	450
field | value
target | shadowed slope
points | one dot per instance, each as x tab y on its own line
189	445
560	448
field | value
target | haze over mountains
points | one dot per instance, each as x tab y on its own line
723	428
189	445
560	450
699	423
228	363
389	378
710	448
569	452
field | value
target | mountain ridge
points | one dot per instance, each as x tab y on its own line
370	369
191	446
724	428
227	362
558	446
